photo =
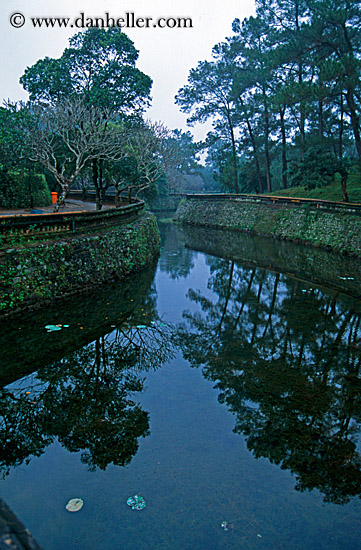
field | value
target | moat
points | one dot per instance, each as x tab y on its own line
223	385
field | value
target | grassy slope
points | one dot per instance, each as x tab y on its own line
330	192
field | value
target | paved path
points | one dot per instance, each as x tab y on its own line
71	205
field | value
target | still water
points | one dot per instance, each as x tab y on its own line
222	385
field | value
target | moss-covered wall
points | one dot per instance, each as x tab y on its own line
337	231
55	269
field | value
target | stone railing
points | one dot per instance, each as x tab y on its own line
273	200
39	225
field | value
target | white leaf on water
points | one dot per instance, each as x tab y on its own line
74	505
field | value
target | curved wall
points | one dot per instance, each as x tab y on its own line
34	274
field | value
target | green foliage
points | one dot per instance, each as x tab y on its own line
8	189
209	96
317	169
156	190
99	65
285	85
96	73
23	189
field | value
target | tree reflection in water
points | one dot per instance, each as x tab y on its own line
86	400
286	360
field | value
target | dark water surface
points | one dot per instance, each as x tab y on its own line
222	385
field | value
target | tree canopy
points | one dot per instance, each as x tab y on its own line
98	65
282	90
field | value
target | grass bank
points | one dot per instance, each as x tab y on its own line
331	192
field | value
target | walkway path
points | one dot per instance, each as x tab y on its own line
71	205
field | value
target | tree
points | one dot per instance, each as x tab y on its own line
334	35
283	87
87	399
250	48
208	96
285	19
99	68
67	136
149	152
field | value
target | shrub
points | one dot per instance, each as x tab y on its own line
23	189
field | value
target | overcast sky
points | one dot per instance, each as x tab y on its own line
166	55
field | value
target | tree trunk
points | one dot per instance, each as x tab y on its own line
266	143
62	195
354	120
300	80
257	308
228	294
255	149
117	195
100	184
235	164
340	135
302	107
95	174
271	309
255	153
344	177
246	294
320	120
234	153
284	148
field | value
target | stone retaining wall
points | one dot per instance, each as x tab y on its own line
36	273
336	231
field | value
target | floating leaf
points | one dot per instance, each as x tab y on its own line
51	328
136	503
74	505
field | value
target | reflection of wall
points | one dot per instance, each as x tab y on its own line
26	346
14	534
339	232
58	268
316	266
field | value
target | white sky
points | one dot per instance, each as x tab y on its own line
166	55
